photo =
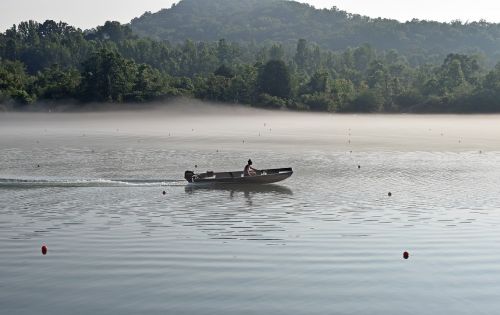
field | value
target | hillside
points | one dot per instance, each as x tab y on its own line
286	21
45	64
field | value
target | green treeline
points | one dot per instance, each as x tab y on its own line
52	62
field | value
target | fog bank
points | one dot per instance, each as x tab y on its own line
234	127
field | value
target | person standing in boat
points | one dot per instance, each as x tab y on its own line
249	170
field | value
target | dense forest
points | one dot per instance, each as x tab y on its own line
43	65
261	21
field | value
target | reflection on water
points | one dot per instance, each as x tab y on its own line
239	220
246	189
329	238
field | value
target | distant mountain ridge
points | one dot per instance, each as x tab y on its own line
287	21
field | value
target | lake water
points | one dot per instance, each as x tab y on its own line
327	241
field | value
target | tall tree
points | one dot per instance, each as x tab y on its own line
301	55
274	79
108	77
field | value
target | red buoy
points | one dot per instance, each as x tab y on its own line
44	250
406	255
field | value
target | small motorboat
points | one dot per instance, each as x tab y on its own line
262	177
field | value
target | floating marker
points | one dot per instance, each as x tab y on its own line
164	193
44	250
359	167
389	194
406	255
38	165
196	166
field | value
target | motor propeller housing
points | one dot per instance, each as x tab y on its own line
188	175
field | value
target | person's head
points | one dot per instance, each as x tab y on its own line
250	162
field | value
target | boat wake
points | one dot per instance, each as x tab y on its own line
42	183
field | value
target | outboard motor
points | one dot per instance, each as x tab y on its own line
188	175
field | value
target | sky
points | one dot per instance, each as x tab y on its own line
90	13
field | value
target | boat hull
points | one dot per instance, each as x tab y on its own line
236	178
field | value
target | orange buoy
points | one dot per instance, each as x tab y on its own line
44	250
406	255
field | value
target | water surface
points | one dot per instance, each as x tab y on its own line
327	241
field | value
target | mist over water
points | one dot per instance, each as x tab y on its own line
214	126
328	240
